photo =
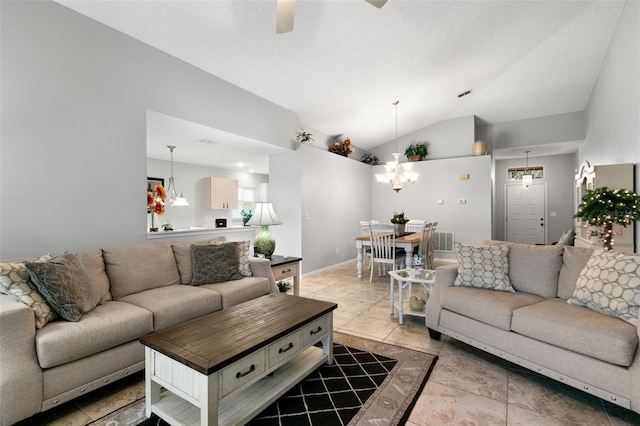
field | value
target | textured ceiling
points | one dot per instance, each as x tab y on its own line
345	61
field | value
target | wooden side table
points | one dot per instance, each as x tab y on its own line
287	267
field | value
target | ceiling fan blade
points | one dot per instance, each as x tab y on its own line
284	15
377	3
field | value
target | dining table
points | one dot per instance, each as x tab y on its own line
407	242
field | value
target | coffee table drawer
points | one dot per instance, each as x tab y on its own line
283	349
314	330
243	371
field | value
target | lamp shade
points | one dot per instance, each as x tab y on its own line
264	215
527	180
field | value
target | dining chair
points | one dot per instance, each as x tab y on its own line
429	249
416	226
383	249
423	248
364	225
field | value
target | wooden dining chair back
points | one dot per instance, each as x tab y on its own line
429	249
424	241
416	226
383	249
364	226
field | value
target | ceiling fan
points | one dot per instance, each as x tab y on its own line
285	10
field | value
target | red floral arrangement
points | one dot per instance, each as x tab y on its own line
155	200
342	148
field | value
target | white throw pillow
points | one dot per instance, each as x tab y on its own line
610	284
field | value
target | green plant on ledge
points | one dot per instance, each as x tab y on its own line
304	137
604	207
416	152
398	218
370	159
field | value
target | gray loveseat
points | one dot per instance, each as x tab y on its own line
144	288
536	328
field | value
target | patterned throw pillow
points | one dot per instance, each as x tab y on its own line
242	250
65	285
610	284
15	281
214	263
483	267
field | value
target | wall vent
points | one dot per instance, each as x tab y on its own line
443	241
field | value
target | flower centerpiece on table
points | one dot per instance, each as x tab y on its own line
398	218
398	221
155	205
604	207
342	148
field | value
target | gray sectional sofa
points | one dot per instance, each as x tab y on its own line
533	326
144	288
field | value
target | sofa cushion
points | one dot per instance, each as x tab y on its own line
182	253
535	269
483	267
65	285
106	326
138	267
214	263
93	263
578	329
174	304
573	260
234	292
610	284
490	307
15	281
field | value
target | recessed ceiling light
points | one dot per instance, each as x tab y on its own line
251	171
208	141
240	164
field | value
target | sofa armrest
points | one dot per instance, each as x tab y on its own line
20	373
445	277
261	267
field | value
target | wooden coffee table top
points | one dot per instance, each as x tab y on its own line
213	341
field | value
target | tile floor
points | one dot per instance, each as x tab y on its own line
466	387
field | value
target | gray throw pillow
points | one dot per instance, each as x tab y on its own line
214	263
483	267
65	285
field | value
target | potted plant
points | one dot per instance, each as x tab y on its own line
283	286
245	216
343	148
399	221
604	207
304	137
370	159
416	152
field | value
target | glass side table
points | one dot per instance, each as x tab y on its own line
405	277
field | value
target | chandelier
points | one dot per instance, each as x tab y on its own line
397	175
175	198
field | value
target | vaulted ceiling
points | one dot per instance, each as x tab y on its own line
346	61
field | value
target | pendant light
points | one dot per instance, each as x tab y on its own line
175	198
527	177
397	175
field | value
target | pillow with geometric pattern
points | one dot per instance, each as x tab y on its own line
15	280
483	267
610	284
65	285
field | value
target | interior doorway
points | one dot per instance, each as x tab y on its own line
525	208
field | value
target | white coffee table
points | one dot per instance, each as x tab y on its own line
405	277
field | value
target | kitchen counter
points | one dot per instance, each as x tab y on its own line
233	233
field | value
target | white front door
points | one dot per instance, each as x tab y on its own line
526	213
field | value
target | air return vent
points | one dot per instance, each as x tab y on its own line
443	241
